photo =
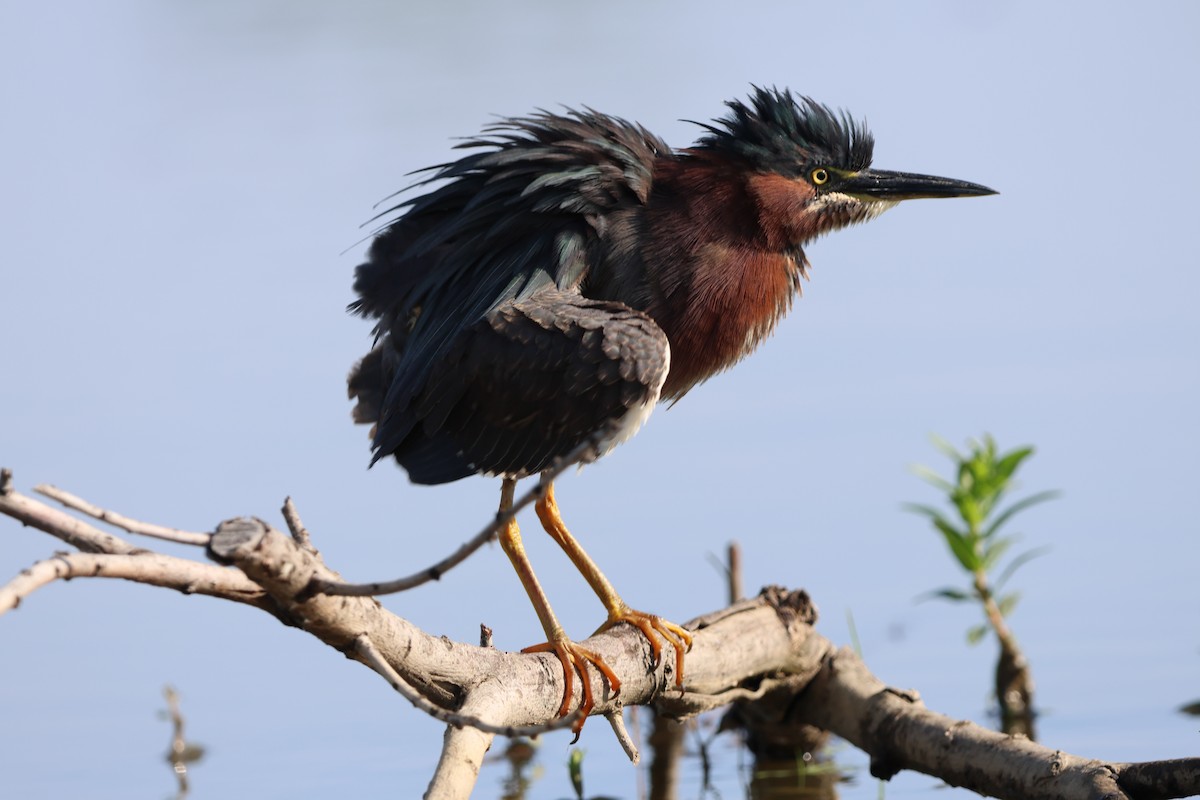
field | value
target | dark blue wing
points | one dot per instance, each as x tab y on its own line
530	209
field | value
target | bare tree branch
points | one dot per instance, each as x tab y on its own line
300	533
119	520
899	733
616	720
74	532
155	569
457	769
763	648
375	660
1179	777
583	452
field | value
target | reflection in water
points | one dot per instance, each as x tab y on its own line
808	775
182	752
520	754
806	769
791	759
522	772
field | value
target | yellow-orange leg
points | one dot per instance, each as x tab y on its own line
618	611
570	655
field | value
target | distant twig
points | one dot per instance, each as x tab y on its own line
119	520
300	533
74	532
323	586
735	572
617	720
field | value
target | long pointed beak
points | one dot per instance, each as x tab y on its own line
881	184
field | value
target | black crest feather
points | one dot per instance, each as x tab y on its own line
779	132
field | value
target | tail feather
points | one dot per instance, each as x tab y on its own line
367	384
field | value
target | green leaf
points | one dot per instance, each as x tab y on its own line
929	476
1009	462
971	512
575	769
959	544
1017	563
1019	506
854	641
924	510
994	549
1008	603
975	635
948	593
947	449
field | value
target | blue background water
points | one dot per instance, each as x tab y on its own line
180	183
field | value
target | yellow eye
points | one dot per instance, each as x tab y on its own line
819	176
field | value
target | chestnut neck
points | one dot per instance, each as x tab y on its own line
722	259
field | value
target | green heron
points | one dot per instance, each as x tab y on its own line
570	272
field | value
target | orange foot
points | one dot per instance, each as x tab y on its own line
573	657
649	624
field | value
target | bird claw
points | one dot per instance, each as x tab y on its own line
576	658
649	624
